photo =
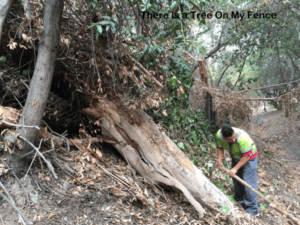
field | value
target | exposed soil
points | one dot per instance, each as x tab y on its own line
94	197
277	139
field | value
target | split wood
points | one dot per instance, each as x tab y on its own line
274	206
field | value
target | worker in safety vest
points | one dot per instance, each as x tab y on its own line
244	161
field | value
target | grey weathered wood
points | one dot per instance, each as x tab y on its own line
4	8
154	156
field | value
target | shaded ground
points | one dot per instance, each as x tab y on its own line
95	197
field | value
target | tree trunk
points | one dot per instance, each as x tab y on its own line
41	81
153	155
4	6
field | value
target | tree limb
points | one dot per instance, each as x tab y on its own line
240	72
260	88
212	51
229	64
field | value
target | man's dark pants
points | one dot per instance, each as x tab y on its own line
243	194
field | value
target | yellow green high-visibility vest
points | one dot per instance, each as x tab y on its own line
242	145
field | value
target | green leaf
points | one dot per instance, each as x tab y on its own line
173	5
263	207
145	48
173	80
104	22
116	20
26	72
209	165
3	59
99	28
180	145
225	209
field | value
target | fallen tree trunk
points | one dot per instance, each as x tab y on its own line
153	155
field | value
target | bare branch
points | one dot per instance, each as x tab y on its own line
229	64
41	155
93	46
260	88
17	125
149	76
240	71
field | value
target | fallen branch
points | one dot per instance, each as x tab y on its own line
149	76
270	99
63	166
29	153
60	135
260	88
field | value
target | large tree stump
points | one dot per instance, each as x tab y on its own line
153	155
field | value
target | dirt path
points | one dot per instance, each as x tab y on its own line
278	142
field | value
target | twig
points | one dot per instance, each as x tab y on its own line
18	181
11	82
93	46
1	220
17	125
30	165
64	167
60	135
33	159
112	176
41	155
41	165
191	56
149	76
23	156
12	203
